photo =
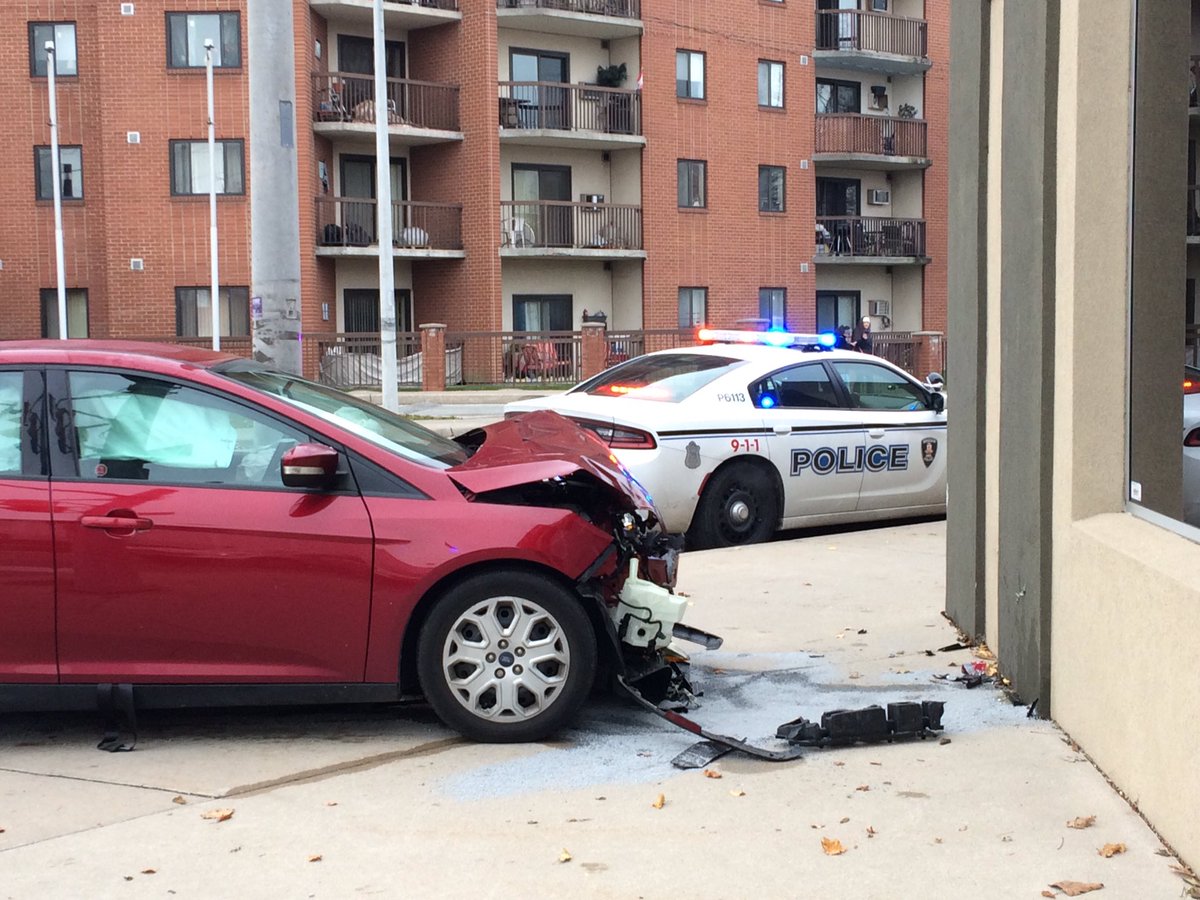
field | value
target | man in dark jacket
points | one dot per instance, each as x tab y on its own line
862	335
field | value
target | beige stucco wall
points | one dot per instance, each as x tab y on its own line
363	272
900	88
589	173
584	54
592	287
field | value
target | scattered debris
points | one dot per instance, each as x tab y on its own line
700	754
844	820
1082	822
331	803
737	792
712	773
217	815
832	846
564	856
1075	888
660	802
149	871
950	648
1108	851
863	787
862	631
180	799
1049	894
316	857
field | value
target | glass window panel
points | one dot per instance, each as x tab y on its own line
872	386
693	304
77	313
771	188
10	422
770	84
71	168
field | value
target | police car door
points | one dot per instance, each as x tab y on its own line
815	441
905	460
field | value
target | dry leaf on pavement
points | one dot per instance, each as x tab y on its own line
1082	822
871	832
832	846
316	857
737	793
844	820
1050	894
181	800
565	856
660	802
218	815
863	787
149	871
1075	888
711	773
1108	851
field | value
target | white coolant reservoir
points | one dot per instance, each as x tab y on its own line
647	612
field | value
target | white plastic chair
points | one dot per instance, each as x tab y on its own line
516	232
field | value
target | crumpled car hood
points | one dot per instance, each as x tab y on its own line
538	446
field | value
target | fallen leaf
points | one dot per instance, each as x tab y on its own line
871	832
839	763
182	801
149	871
856	675
832	846
844	820
1075	888
1082	822
876	763
737	793
128	877
565	856
219	815
937	840
1108	851
1048	894
902	671
331	803
660	802
711	773
863	787
943	742
982	652
316	857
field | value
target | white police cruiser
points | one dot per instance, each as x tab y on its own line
755	431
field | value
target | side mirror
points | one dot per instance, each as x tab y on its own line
309	466
937	401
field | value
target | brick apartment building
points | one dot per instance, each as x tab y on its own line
653	164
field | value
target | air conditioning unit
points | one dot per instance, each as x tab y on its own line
593	199
881	308
877	197
137	264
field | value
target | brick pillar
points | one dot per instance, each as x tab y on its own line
433	357
595	349
928	354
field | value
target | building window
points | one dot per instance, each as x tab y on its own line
193	312
77	313
689	74
65	60
692	176
542	312
838	96
70	163
189	167
770	83
187	32
771	188
772	306
693	306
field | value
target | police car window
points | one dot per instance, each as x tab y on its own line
10	422
668	378
147	429
875	387
800	387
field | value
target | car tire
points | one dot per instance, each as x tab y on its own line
740	505
506	657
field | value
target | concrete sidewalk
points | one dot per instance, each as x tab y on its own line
452	413
334	802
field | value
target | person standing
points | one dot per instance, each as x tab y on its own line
862	335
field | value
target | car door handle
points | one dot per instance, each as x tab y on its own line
137	523
875	432
783	429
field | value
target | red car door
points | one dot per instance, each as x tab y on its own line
26	553
181	555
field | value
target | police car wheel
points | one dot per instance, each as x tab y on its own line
739	506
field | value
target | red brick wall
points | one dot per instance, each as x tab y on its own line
127	211
937	191
730	248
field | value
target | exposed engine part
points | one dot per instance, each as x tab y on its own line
647	614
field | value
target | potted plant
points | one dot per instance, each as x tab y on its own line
618	107
907	111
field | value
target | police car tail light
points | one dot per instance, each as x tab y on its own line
1191	386
620	437
1192	438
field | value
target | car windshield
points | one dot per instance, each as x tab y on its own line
375	424
668	378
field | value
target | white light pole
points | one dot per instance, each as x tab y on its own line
56	180
383	210
215	298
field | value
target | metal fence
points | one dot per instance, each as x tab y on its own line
853	29
349	97
876	135
350	222
564	224
570	107
624	9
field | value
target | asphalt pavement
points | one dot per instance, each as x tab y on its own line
336	801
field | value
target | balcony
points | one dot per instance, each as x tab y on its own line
418	112
562	228
871	142
397	16
547	114
858	39
862	240
603	19
1193	214
346	227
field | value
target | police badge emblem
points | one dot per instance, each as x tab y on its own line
928	451
692	458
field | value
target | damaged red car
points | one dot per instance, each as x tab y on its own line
181	527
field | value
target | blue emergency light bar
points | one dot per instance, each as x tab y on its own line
824	341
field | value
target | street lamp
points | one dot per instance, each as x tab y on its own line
383	224
56	175
215	297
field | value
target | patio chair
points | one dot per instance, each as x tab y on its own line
516	232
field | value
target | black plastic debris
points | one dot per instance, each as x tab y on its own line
871	724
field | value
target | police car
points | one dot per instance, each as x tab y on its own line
755	431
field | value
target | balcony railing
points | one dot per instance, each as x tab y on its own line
854	29
878	135
347	97
1194	82
623	9
870	237
564	224
350	222
570	107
